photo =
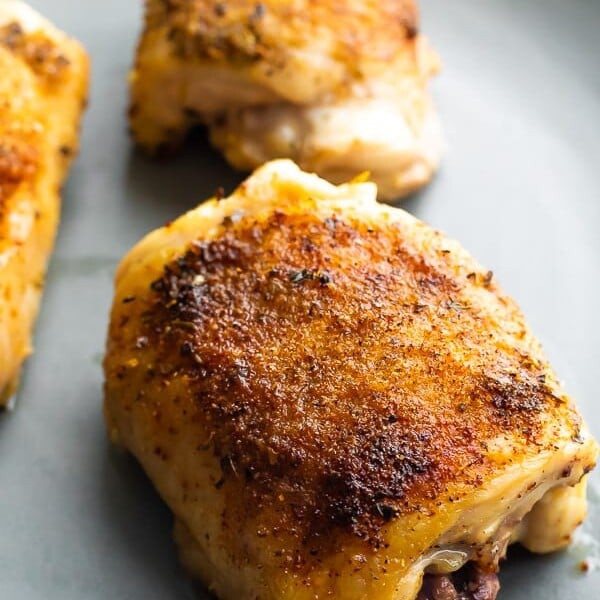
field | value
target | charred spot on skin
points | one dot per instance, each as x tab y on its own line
300	276
369	492
518	396
220	9
304	275
487	279
324	278
259	11
385	511
186	349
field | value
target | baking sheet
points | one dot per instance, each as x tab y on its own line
520	101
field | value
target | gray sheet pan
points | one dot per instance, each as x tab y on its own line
520	100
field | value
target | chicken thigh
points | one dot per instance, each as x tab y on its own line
338	86
336	400
43	87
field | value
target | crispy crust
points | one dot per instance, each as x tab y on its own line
41	53
338	368
43	86
243	30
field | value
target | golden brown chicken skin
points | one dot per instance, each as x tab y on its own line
43	86
339	86
333	398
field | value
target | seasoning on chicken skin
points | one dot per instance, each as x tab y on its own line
339	86
43	87
334	399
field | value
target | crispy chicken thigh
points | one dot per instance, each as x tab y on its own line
334	399
338	86
43	86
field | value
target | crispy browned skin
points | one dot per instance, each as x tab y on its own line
235	30
43	86
40	52
311	380
372	412
340	87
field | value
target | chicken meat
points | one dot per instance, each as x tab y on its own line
336	400
338	86
43	87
